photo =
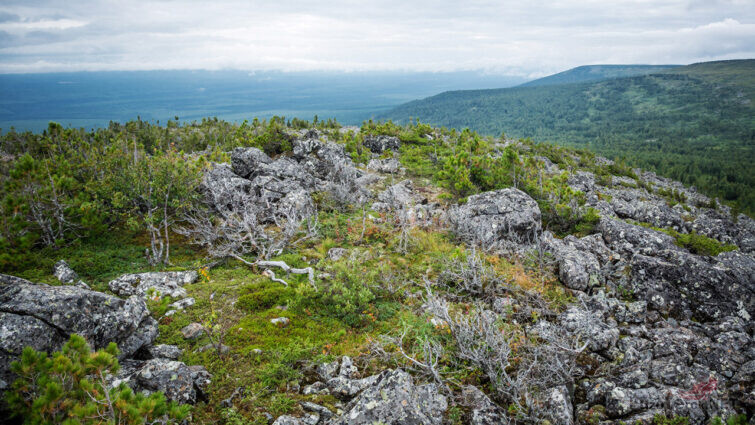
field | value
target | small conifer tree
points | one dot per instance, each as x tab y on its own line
71	388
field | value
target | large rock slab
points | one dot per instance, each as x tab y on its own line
628	239
497	219
685	285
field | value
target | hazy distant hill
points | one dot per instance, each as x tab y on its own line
694	123
87	99
586	73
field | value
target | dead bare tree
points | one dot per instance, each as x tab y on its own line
234	224
520	366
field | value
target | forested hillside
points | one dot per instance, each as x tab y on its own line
583	74
693	123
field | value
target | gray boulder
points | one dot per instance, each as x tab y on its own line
67	276
246	161
153	284
288	420
623	401
395	399
557	406
578	269
288	170
497	219
379	144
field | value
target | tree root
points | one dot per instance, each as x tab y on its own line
309	271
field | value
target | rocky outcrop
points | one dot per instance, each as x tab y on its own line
245	162
497	220
43	317
578	268
684	285
285	184
387	166
667	331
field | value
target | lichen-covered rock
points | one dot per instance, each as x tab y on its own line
67	276
154	285
483	411
395	399
628	239
288	420
387	166
164	351
557	406
398	196
192	331
336	254
223	187
497	220
578	269
64	273
44	317
179	382
685	285
343	387
623	401
379	144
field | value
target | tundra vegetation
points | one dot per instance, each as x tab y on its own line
291	282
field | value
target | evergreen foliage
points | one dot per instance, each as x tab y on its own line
71	388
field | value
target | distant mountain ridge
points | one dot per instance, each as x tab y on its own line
692	123
587	73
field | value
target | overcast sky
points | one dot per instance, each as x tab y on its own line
528	38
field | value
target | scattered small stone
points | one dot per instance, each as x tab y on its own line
316	388
224	349
316	408
182	304
281	322
336	254
257	351
288	420
192	331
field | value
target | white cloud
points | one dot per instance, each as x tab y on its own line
525	38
